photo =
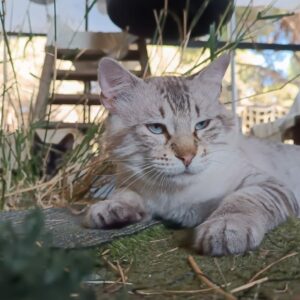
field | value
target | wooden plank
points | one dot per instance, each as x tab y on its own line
92	54
74	99
65	125
49	73
66	230
45	81
83	75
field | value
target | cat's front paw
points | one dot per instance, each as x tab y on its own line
112	214
231	234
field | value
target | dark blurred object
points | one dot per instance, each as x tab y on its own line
293	133
137	16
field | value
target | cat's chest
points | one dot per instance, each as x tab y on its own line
212	185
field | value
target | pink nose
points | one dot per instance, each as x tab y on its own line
186	158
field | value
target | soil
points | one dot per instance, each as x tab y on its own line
153	261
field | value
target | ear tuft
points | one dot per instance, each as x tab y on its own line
113	79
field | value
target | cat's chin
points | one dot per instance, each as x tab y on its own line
188	172
182	177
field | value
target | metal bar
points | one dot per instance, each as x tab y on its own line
25	34
243	45
87	84
234	96
3	112
86	25
199	44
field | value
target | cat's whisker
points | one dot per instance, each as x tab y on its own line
128	157
165	183
160	180
150	183
129	172
141	175
128	160
154	180
135	163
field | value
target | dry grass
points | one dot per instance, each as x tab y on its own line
21	188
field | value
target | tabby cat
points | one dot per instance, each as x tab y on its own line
181	158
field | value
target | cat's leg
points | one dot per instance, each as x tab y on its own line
243	217
188	215
125	207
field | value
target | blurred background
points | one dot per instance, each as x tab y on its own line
266	76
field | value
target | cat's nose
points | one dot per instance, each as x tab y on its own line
186	158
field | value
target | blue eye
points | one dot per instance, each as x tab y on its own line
201	125
156	128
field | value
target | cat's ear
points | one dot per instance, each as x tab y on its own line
215	71
113	80
36	139
66	144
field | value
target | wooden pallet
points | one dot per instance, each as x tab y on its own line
85	99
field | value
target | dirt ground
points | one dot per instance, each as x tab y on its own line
154	265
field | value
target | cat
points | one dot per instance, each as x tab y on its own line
50	155
181	158
45	158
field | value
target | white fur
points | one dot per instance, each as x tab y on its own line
240	187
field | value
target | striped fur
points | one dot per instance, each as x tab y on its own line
197	170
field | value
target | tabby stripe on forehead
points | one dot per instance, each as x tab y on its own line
197	110
187	97
162	112
165	96
171	104
179	95
188	103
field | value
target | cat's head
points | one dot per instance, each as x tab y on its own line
166	125
50	157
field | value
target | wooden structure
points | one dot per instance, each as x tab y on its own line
256	114
137	52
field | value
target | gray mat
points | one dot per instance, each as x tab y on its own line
67	232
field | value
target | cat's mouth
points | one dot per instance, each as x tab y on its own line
180	171
185	172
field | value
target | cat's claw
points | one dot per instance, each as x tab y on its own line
111	214
232	234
